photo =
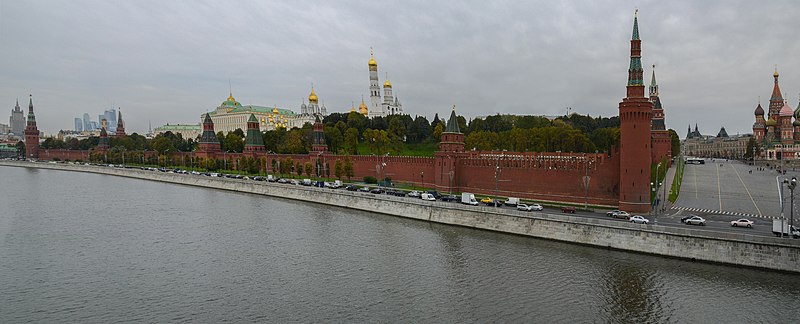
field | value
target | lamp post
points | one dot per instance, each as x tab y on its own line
496	175
422	179
791	184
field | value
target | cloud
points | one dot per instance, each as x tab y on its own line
171	61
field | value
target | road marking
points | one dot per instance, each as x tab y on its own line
711	211
694	173
719	187
747	190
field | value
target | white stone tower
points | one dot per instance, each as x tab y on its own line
375	108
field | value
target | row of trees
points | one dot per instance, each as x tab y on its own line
346	132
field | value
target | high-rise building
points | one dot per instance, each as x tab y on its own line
78	124
17	121
111	118
87	122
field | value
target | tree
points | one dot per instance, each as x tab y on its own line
333	138
162	145
308	168
338	169
20	148
351	141
748	152
437	131
676	144
298	168
234	142
348	167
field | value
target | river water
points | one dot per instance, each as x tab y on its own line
79	247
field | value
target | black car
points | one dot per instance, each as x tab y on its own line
351	188
376	191
450	198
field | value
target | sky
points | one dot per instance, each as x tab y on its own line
171	61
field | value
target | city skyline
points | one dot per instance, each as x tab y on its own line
168	63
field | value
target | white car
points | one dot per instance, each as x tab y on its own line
639	219
742	222
695	220
536	207
524	207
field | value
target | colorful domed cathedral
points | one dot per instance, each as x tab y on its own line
777	133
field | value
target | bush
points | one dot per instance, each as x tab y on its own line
56	159
370	179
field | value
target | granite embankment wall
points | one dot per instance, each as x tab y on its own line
688	243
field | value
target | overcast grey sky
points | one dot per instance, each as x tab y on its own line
170	61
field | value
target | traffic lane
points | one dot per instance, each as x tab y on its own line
722	223
762	187
703	187
734	195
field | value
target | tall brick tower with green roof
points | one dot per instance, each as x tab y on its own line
452	138
254	140
635	115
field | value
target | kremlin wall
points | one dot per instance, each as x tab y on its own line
619	178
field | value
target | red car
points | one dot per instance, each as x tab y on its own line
568	209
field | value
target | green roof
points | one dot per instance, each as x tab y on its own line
176	127
452	123
256	109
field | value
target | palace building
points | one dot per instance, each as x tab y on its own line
231	114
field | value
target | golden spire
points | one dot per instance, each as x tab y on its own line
275	110
776	71
352	107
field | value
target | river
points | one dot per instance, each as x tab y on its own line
81	247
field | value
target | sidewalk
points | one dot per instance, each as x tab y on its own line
669	178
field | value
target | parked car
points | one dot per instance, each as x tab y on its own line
511	201
494	203
742	222
363	189
349	187
696	220
568	209
414	194
486	200
536	207
639	219
450	198
376	191
612	213
434	193
524	207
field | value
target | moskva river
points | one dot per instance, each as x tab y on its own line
79	247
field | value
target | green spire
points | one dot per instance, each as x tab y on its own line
452	123
252	118
635	25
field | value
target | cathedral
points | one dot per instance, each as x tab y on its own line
777	133
390	104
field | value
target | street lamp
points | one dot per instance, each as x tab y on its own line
422	179
791	184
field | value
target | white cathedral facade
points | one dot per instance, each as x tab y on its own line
390	105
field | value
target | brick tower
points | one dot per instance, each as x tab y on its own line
120	125
208	140
31	134
635	115
318	141
103	144
452	138
254	140
661	142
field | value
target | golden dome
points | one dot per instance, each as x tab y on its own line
387	84
313	96
372	61
352	108
275	110
362	108
771	122
776	71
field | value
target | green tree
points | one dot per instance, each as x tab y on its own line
20	148
752	145
234	142
298	168
676	144
162	145
309	168
348	167
333	138
437	131
338	169
350	145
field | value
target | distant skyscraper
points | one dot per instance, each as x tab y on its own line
17	121
87	122
111	118
78	124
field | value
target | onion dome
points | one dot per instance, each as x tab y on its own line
771	122
797	116
352	107
759	110
362	108
275	110
312	98
786	111
372	61
387	84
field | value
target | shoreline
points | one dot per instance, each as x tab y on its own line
688	244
